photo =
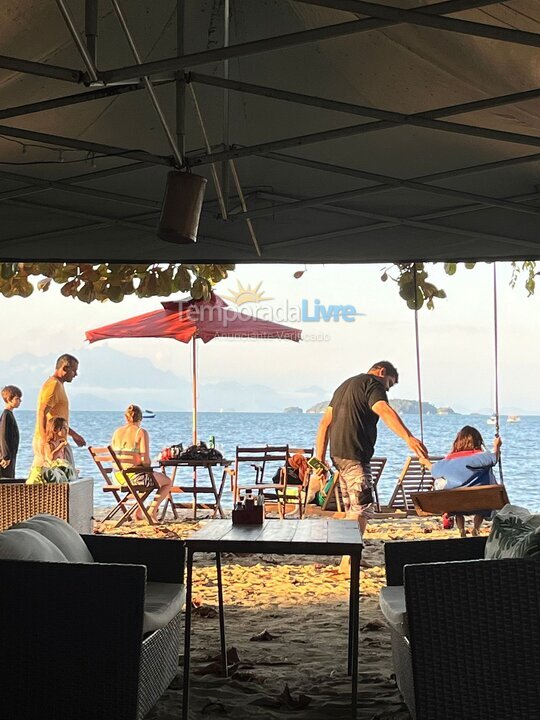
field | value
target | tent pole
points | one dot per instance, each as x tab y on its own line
417	345
418	371
496	359
194	385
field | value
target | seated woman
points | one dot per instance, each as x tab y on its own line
467	464
133	438
53	460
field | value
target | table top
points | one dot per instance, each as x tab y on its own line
315	536
177	462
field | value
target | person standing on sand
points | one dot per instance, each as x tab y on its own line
350	423
53	402
9	431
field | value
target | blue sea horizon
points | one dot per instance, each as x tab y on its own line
519	451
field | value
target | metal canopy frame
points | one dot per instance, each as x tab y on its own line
360	205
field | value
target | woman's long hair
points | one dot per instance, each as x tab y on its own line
468	438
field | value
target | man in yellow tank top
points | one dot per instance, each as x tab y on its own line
53	400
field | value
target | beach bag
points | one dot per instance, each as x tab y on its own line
201	452
292	476
321	496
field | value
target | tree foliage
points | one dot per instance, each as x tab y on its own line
416	289
107	281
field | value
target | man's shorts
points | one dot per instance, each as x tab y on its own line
356	485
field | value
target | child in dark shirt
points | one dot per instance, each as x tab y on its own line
9	432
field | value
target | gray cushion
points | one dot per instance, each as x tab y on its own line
392	604
515	533
163	601
25	544
61	534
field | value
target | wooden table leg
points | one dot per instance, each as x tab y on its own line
194	493
217	494
355	622
221	617
187	635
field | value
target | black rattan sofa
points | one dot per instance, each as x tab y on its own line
75	636
468	644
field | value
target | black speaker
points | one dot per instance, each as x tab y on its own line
181	209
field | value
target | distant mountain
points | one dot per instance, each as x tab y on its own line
111	380
293	410
409	407
319	407
401	406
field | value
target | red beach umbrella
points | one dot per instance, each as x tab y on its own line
189	320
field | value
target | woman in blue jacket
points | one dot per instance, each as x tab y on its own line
467	464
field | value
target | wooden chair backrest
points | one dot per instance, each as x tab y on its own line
377	466
111	462
103	460
413	478
258	457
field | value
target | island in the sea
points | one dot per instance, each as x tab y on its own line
405	407
293	410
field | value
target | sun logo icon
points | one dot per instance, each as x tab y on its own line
243	295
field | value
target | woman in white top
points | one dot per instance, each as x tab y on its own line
131	437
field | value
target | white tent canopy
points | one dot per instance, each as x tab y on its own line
360	132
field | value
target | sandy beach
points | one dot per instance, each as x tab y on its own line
286	623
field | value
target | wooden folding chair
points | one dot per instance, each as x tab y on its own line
259	458
334	493
130	484
414	478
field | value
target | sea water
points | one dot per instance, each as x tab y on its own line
521	441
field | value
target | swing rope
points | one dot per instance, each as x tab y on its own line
418	371
496	356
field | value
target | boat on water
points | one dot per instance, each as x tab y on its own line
492	420
513	418
148	414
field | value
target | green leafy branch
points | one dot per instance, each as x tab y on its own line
415	288
107	281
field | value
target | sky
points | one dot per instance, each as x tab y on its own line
456	338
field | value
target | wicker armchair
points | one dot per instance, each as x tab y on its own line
73	644
467	644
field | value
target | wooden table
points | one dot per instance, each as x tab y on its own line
279	537
193	487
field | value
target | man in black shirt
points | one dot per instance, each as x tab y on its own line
350	422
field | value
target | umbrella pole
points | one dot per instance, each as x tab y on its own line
194	385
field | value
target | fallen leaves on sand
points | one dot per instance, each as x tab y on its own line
285	701
264	636
373	625
215	666
244	677
214	707
199	608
